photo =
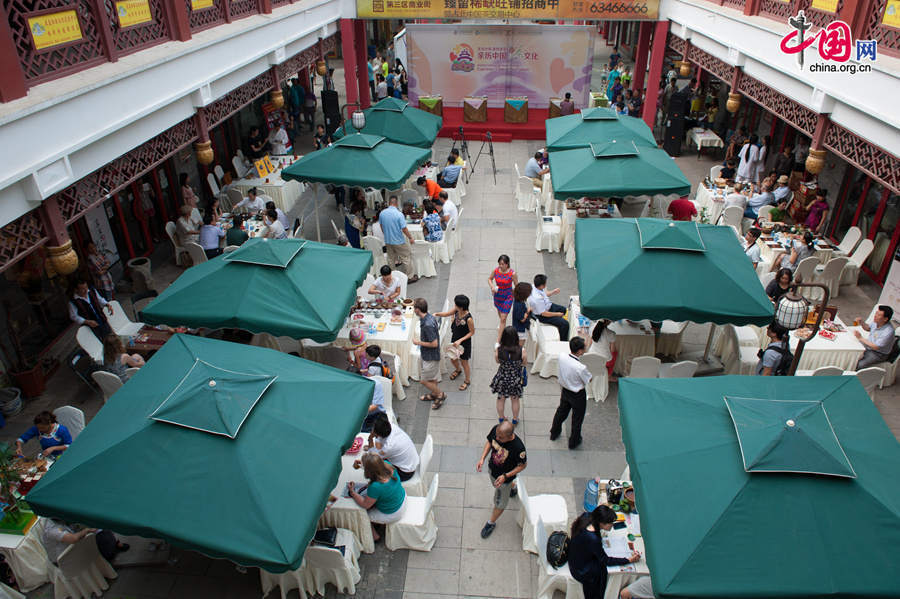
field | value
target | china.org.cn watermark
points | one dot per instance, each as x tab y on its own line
835	47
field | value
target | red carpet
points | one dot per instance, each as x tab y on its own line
500	130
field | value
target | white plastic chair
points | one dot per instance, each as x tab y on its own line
850	240
644	367
400	375
220	175
548	509
733	215
764	211
738	358
326	565
890	372
173	237
714	172
422	261
72	418
549	347
598	388
869	378
830	277
850	275
198	256
415	486
440	250
806	271
291	580
526	194
108	382
547	235
213	185
376	246
552	579
235	197
683	370
404	281
82	571
416	529
827	371
457	233
119	322
89	343
388	398
239	167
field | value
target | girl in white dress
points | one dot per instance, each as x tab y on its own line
749	156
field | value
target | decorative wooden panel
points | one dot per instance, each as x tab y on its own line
236	99
132	39
20	237
56	62
676	43
207	17
793	112
737	4
888	37
710	63
244	8
877	162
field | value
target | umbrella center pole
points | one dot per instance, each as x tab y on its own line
707	364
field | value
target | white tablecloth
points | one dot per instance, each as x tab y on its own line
844	352
429	173
713	201
26	557
704	138
345	513
393	339
768	249
283	193
631	340
568	219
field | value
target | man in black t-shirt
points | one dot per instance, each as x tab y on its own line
507	460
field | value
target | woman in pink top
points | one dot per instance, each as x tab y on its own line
818	211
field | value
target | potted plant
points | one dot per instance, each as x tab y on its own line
17	518
28	373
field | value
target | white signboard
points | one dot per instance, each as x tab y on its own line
101	233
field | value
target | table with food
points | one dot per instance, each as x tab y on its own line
582	208
428	171
625	536
711	196
834	345
779	238
283	192
254	226
20	530
388	325
342	511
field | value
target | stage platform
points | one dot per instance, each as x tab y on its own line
500	130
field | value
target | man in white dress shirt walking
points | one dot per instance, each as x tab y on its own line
573	376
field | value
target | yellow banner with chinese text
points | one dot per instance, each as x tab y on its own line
200	4
825	5
133	12
611	10
54	29
892	14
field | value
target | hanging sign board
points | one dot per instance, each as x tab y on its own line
597	10
54	29
892	14
101	233
825	5
201	4
133	12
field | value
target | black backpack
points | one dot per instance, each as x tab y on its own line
784	364
558	549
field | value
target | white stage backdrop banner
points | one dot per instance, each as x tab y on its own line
500	61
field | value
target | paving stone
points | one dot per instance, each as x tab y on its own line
427	581
507	536
496	573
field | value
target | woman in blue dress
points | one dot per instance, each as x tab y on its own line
53	437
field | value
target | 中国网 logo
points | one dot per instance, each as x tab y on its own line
461	58
835	45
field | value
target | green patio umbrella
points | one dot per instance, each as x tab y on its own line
230	450
595	125
661	269
292	287
615	168
763	486
399	122
359	160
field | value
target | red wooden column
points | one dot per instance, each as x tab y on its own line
657	54
816	151
362	71
179	19
641	55
59	246
12	77
349	52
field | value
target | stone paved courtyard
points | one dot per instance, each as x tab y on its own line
461	563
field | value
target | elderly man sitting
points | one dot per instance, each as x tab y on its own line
763	198
880	340
450	175
534	170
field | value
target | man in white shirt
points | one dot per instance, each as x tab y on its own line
546	311
782	192
751	248
573	376
252	203
395	446
736	198
380	88
279	140
388	286
274	230
86	308
880	340
282	217
449	211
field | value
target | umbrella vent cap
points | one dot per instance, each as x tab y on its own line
212	399
659	234
262	251
787	437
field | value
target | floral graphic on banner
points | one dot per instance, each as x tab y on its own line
461	58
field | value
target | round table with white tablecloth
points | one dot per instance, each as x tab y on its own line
844	351
711	199
346	513
704	138
769	248
393	338
283	193
632	339
27	557
429	173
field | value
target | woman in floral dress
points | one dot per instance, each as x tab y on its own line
99	267
502	281
508	380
